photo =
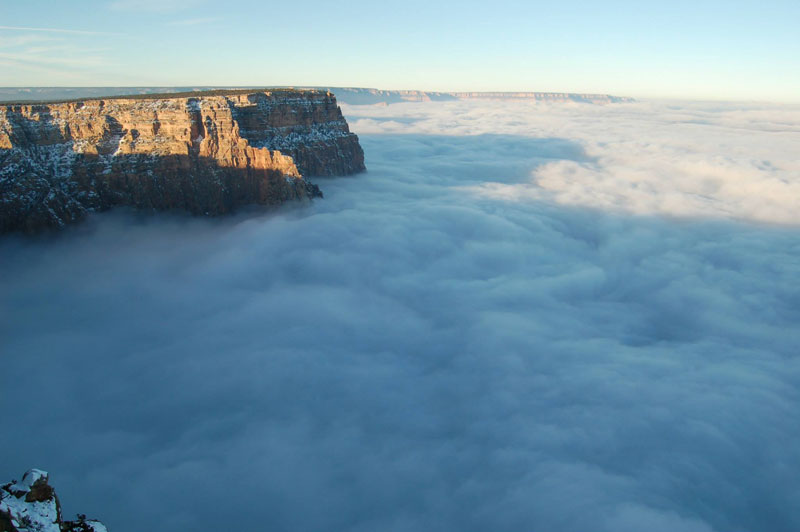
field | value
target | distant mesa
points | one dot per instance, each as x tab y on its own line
31	505
205	152
348	95
359	96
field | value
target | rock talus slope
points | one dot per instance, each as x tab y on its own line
205	153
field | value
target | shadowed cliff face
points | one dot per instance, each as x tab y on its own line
198	185
206	154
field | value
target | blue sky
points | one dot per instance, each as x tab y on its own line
704	50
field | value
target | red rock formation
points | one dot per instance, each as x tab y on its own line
206	153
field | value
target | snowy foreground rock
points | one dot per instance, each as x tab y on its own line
31	505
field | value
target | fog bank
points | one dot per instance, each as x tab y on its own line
523	317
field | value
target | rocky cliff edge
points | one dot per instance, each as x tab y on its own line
31	505
206	153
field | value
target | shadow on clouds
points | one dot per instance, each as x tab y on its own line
407	355
471	160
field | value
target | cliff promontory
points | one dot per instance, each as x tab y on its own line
206	153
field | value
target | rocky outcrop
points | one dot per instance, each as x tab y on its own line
206	153
32	505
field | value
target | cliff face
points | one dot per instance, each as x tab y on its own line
32	505
206	153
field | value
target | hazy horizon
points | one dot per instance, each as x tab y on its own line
711	50
654	99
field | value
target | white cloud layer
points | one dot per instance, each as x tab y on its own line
457	340
678	159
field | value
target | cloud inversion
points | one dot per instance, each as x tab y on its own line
493	329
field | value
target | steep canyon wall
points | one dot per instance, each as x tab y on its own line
206	153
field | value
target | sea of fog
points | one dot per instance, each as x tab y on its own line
524	317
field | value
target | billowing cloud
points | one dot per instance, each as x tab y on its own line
464	338
687	160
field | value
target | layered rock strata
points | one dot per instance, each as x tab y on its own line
32	505
206	153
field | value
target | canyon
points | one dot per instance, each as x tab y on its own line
206	153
